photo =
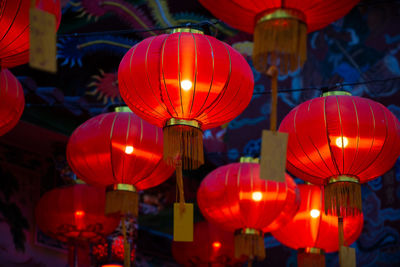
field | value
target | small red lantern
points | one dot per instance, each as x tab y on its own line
14	28
314	233
122	152
185	82
235	198
210	247
280	27
341	141
12	101
75	215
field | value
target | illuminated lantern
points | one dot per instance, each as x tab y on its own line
235	198
14	28
340	141
75	215
114	255
185	83
280	27
210	247
314	233
122	152
12	101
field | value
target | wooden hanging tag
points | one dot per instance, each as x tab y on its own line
183	223
42	34
347	257
273	156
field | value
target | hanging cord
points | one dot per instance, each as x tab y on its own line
179	183
272	72
127	249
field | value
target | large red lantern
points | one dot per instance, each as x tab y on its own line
280	27
314	233
341	141
12	101
75	215
14	28
185	82
237	200
211	246
122	152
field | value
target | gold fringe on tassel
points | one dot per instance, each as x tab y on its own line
342	197
250	244
280	38
310	257
122	199
184	142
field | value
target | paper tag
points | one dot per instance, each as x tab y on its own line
273	156
183	223
347	257
42	34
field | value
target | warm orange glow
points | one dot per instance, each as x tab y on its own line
339	142
111	265
256	196
129	150
315	213
79	213
216	244
186	85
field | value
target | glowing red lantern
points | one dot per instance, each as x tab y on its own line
280	27
12	101
14	28
341	141
185	82
121	151
237	200
314	233
75	215
210	246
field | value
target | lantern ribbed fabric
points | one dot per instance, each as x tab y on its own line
75	215
279	27
341	141
118	148
12	101
211	246
308	231
185	82
235	198
14	29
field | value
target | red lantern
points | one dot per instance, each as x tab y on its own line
210	247
313	233
75	215
185	82
237	200
280	27
12	101
341	141
14	28
121	151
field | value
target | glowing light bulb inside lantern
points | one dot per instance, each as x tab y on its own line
79	213
339	142
315	213
256	196
216	244
129	150
186	85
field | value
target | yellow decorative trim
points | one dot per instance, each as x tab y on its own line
343	178
312	250
122	109
122	187
174	121
281	14
331	93
191	30
249	159
248	231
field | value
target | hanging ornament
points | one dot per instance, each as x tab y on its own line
341	141
14	28
75	215
211	246
313	233
12	101
185	82
280	27
235	198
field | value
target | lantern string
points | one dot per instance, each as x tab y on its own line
273	73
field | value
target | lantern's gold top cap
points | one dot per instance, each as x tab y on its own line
249	159
331	93
187	29
122	109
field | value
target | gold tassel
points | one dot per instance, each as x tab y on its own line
179	182
309	259
273	73
280	37
122	202
186	143
250	245
343	198
127	249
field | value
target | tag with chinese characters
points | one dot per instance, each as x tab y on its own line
347	257
183	223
